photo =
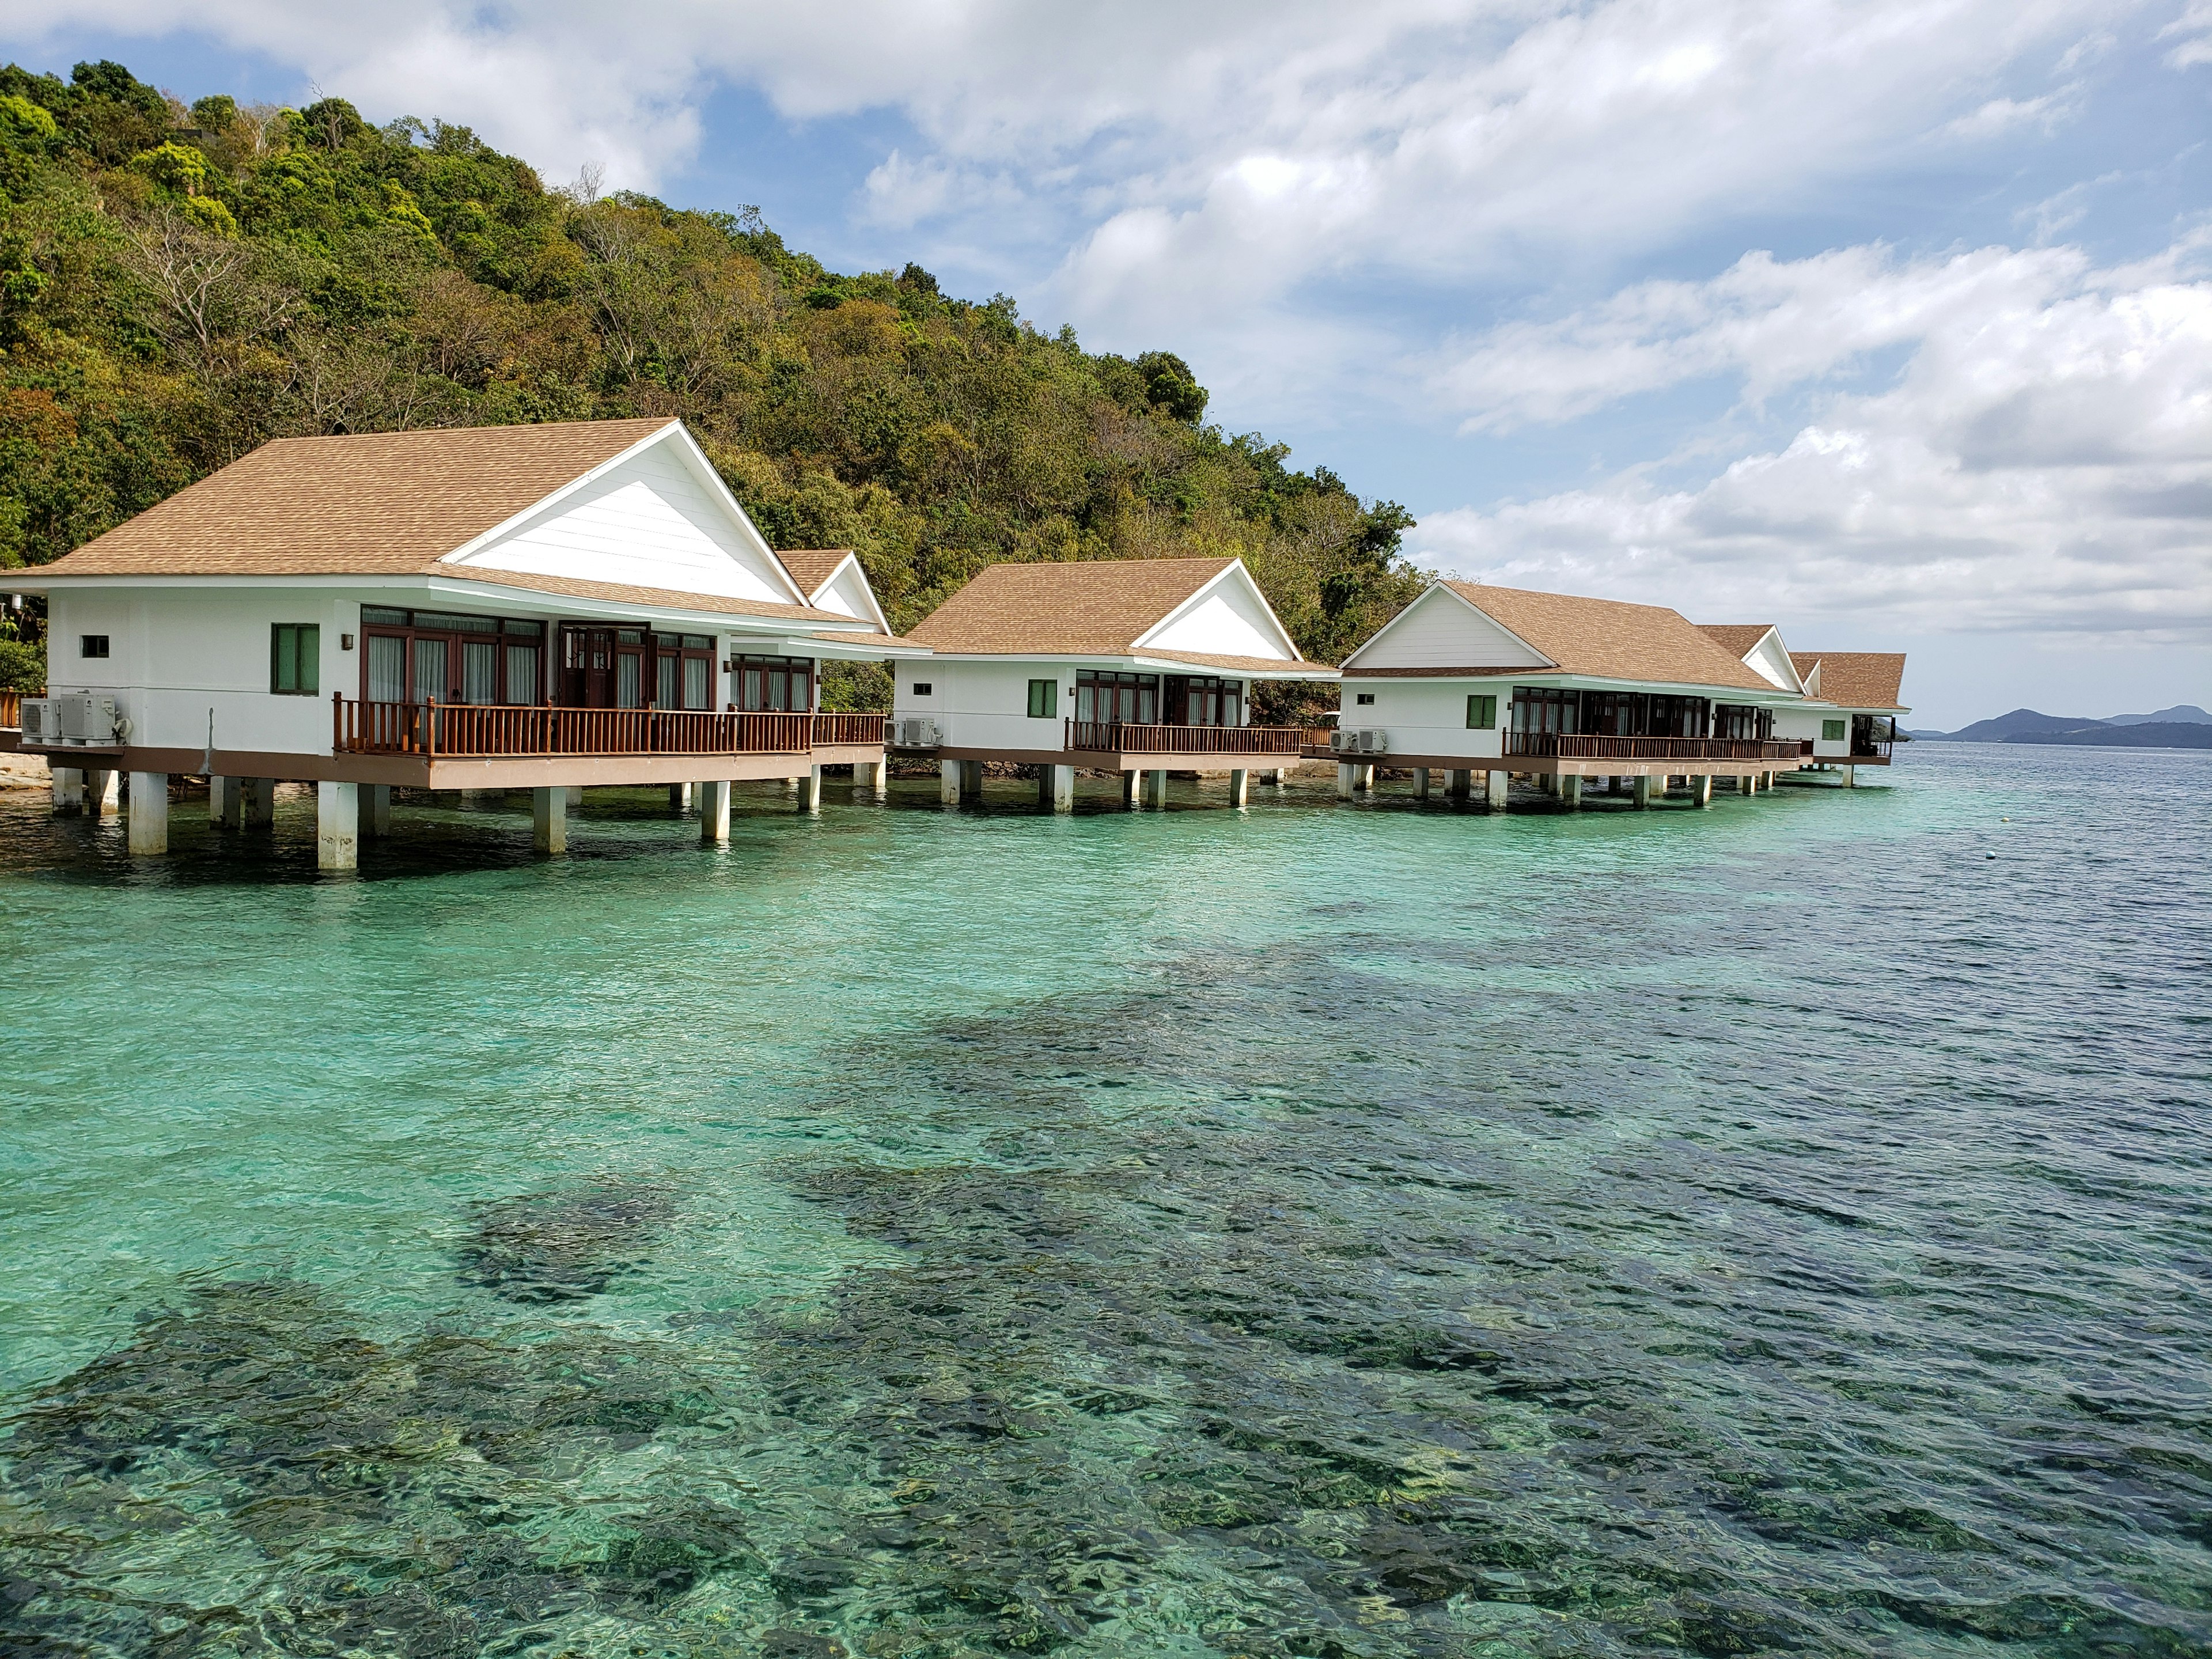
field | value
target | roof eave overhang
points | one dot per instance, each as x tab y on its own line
1140	660
1740	693
509	595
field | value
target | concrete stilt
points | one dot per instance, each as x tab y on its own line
1420	783
226	802
337	825
1239	788
810	790
1850	777
549	819
1640	792
870	777
714	813
1156	790
1746	784
949	781
68	789
1495	787
479	801
1056	787
1129	790
1343	781
679	797
1570	790
971	780
376	817
103	792
149	812
256	803
1701	791
1363	779
1459	783
576	794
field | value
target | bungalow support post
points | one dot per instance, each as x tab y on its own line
869	778
715	813
337	825
1495	786
68	789
149	813
226	802
1239	786
1156	789
548	818
377	821
810	791
102	793
1056	787
1640	791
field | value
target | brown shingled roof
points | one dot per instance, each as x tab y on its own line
1738	637
811	566
1856	679
1610	639
386	503
1092	608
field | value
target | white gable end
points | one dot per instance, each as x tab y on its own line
1441	630
847	594
1771	662
1229	619
647	522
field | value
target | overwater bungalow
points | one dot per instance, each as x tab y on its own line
1470	679
491	607
1135	666
1848	717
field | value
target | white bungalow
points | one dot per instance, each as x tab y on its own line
540	607
1137	666
1848	717
1471	678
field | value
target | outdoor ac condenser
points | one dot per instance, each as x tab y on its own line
87	718
914	732
39	721
1366	742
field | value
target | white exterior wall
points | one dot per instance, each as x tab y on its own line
176	654
649	522
1426	717
1769	660
985	705
1801	723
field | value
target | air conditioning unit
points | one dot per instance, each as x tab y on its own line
86	718
1367	742
915	733
41	719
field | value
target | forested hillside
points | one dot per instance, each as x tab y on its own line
179	284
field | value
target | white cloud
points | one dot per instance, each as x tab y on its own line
2194	29
2043	462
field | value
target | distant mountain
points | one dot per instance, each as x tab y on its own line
2027	725
2005	727
2141	734
2182	714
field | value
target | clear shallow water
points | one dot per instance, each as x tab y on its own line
1375	1231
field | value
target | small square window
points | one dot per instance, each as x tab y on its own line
1481	711
92	645
921	687
1044	699
1832	731
294	660
1364	698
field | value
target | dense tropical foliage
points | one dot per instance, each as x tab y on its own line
178	285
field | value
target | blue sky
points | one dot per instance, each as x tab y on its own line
1888	321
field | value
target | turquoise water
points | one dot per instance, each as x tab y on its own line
1382	1230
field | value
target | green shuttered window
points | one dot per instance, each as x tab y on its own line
1044	699
295	651
1481	711
1832	731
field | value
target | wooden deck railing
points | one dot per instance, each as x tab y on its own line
11	706
1593	746
473	731
838	731
1117	737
